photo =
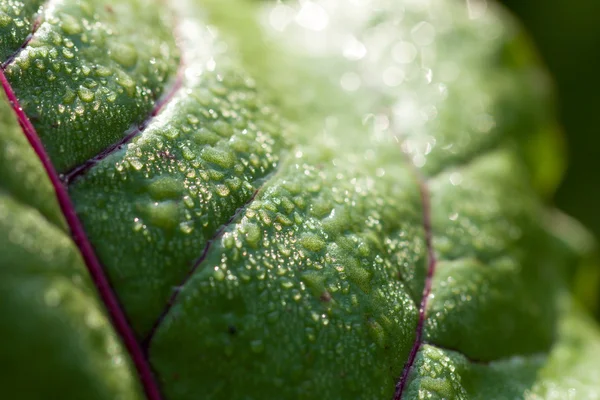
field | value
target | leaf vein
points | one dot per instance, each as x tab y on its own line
208	246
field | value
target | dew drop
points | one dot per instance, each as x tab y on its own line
125	54
85	94
404	52
70	25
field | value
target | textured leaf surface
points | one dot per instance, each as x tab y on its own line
569	370
303	200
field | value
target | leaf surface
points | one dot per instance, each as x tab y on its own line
314	199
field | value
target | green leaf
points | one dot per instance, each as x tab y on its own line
241	200
569	370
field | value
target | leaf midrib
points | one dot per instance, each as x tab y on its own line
99	278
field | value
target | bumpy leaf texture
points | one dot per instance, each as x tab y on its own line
226	199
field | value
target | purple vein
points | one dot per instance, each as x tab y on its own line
173	299
431	265
158	107
115	312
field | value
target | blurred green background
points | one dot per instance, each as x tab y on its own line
567	36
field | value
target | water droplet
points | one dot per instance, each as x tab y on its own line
136	164
219	275
125	54
350	81
280	17
404	52
137	225
70	25
188	201
187	153
85	94
68	53
186	227
5	19
162	214
456	178
102	71
165	187
354	49
312	16
126	82
222	190
287	284
476	8
312	242
219	157
253	234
